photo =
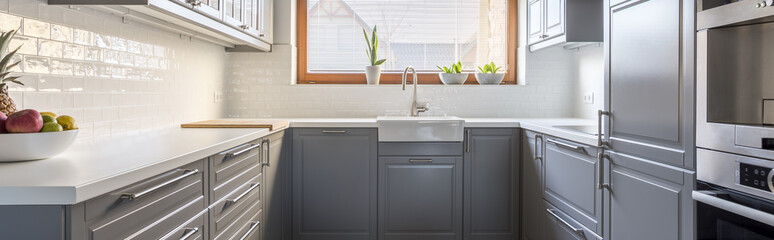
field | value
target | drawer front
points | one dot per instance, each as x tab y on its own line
192	229
420	149
164	191
236	154
560	226
145	222
571	181
225	211
252	230
220	191
170	222
226	174
244	219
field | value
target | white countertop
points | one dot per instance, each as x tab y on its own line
88	170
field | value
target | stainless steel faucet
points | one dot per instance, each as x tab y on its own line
415	108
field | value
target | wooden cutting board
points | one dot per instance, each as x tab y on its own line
271	124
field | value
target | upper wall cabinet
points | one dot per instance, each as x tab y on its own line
240	25
562	22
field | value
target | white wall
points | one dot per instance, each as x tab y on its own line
115	78
589	78
260	85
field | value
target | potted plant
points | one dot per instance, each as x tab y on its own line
7	106
453	75
373	72
487	75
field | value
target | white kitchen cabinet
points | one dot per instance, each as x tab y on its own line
253	17
562	22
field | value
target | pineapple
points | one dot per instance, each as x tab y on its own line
7	106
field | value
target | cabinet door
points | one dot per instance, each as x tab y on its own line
571	177
650	85
334	183
648	200
266	21
491	164
252	14
233	12
555	18
276	188
535	21
420	198
532	186
211	8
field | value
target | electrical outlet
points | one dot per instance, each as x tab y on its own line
588	98
218	96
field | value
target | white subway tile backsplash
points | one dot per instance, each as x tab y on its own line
90	65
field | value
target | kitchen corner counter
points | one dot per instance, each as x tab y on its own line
87	170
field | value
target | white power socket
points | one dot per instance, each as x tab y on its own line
588	98
217	96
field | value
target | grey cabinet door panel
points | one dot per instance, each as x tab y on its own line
276	199
531	186
334	183
648	193
491	184
421	199
571	183
650	86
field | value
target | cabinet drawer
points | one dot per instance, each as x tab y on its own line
560	226
420	149
165	191
220	177
252	230
170	222
571	181
244	219
192	229
220	191
235	155
226	210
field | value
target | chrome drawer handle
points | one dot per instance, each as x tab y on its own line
253	226
579	231
267	153
567	146
334	131
236	199
189	232
133	196
538	157
421	160
252	146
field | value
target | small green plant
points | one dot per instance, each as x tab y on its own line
454	68
489	68
373	47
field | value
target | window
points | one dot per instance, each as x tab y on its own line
419	33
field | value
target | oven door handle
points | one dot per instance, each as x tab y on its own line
736	208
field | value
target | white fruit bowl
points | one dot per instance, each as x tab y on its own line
16	147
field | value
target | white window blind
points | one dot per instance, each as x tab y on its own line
419	33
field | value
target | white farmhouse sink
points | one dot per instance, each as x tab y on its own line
420	129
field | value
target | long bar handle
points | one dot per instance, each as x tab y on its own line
600	171
467	140
133	196
736	208
600	140
334	131
574	229
248	149
538	157
421	160
253	226
236	199
567	146
189	232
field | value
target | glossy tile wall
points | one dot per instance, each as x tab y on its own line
115	78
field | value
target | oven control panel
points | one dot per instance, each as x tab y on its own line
756	177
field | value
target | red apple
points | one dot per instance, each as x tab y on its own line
2	122
24	121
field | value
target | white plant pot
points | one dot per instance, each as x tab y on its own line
373	73
453	78
490	78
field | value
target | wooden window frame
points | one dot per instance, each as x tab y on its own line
394	77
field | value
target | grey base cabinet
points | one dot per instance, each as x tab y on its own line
491	184
532	205
334	184
420	198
